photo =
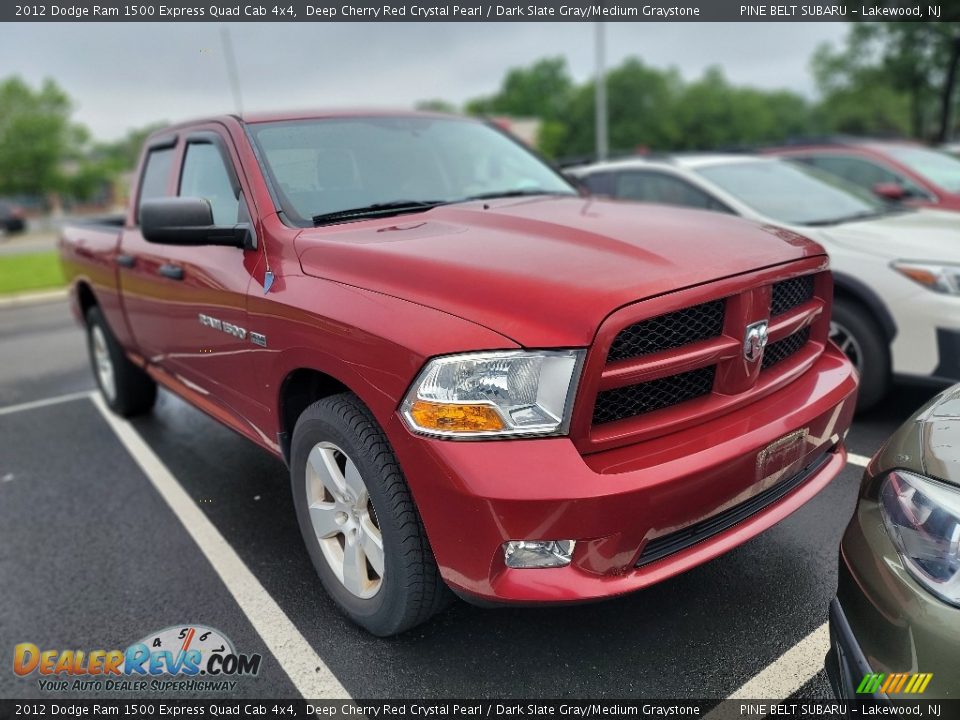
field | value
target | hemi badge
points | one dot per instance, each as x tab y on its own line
258	339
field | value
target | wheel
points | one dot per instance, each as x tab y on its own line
361	527
124	387
857	334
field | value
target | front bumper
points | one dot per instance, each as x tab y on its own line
927	344
892	623
474	496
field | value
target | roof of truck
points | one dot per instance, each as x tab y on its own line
281	115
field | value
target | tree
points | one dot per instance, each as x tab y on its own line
891	61
35	137
539	91
640	106
711	113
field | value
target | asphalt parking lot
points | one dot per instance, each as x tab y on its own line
93	556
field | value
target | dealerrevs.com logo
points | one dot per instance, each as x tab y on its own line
180	658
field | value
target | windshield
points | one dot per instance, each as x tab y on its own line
793	194
325	166
937	167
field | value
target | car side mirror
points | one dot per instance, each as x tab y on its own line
189	221
889	191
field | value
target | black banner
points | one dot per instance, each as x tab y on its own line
474	11
465	709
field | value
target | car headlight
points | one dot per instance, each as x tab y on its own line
923	519
494	394
938	277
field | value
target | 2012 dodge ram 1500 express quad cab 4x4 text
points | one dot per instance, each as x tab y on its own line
480	380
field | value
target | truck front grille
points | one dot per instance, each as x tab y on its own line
788	294
633	400
665	332
698	352
782	349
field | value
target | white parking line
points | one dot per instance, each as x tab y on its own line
787	674
312	678
854	459
34	404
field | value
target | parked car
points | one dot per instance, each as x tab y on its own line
896	271
894	170
479	379
895	623
11	217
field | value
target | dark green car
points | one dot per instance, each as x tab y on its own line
895	623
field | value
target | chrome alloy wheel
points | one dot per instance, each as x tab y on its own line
847	343
344	520
103	364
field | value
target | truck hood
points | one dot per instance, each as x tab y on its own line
545	271
914	235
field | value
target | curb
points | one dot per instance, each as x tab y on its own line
32	298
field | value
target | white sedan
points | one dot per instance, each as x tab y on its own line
896	270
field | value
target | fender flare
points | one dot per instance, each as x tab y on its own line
870	299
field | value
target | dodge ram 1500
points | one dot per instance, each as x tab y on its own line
480	380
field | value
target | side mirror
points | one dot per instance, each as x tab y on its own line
889	191
189	221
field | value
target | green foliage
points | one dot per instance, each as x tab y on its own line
541	91
649	109
121	156
35	136
42	151
891	77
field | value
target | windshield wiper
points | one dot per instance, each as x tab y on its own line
513	193
375	210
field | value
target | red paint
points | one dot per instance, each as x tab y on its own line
369	302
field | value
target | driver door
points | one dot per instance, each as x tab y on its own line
192	300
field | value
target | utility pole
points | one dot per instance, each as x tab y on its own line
600	93
231	62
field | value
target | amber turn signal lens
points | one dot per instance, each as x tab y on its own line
455	418
920	275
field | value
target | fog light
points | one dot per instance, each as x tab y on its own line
538	553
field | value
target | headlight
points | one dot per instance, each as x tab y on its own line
495	394
923	518
933	276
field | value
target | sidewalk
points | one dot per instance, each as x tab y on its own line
33	297
28	242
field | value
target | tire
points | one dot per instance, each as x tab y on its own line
860	337
124	387
402	588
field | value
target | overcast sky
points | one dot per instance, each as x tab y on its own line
127	75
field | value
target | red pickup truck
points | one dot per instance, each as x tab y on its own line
480	380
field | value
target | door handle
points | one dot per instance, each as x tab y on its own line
174	272
127	261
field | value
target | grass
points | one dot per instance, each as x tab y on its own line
30	271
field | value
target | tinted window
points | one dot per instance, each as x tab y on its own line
662	188
205	176
862	172
327	165
156	174
600	183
